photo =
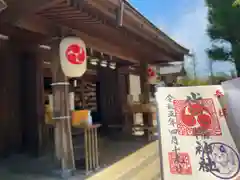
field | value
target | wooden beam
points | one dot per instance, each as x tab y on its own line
129	70
17	10
143	45
19	34
78	16
109	30
132	15
48	29
132	26
77	13
28	7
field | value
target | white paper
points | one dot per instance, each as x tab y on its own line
224	153
71	101
232	97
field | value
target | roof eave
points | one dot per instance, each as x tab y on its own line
182	49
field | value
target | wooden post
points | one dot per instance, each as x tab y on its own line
61	114
40	99
145	90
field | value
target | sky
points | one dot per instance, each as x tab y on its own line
186	22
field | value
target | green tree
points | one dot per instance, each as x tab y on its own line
236	3
220	77
192	82
224	26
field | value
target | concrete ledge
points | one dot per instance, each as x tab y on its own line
150	172
131	163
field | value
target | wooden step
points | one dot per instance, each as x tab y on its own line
150	172
128	164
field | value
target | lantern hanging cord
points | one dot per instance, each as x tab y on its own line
60	84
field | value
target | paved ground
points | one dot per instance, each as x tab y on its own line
20	167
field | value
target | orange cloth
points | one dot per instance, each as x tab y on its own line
80	118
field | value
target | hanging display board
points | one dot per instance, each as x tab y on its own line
73	56
195	141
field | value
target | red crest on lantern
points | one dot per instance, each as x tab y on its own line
73	56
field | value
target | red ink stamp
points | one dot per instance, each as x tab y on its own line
198	114
180	163
223	112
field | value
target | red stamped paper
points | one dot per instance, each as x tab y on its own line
180	163
198	114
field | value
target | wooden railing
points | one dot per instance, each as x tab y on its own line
91	149
87	150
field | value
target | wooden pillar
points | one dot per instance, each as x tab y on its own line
61	113
109	97
40	100
40	56
123	88
145	91
10	102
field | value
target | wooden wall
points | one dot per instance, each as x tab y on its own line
10	125
19	103
111	96
32	89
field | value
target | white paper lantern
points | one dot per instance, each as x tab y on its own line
73	56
